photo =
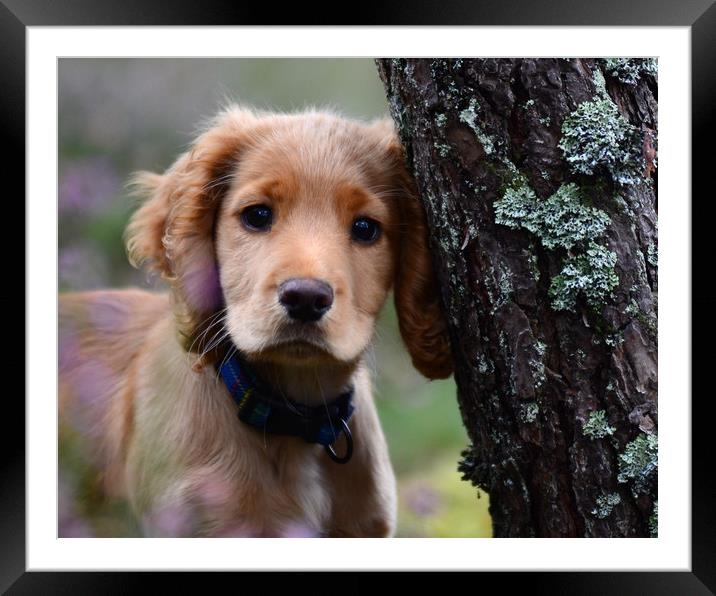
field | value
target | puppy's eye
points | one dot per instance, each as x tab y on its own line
365	230
257	217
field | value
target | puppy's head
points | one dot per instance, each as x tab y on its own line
287	232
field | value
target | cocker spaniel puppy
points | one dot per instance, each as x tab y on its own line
239	403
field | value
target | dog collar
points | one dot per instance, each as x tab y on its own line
261	408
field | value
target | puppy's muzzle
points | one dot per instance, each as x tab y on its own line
305	299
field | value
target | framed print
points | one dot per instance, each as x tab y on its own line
563	354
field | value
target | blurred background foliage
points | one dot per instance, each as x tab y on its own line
121	115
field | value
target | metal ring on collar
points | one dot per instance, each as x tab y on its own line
349	446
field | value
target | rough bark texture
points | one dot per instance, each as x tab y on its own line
557	384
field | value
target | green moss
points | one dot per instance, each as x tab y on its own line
537	366
505	288
567	221
473	471
597	426
590	274
534	269
599	82
605	505
597	136
648	320
538	374
400	117
628	70
632	308
654	521
469	114
511	175
562	220
484	366
639	462
469	117
623	207
652	254
518	208
614	339
529	411
443	149
502	340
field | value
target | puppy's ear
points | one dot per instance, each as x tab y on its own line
417	294
172	232
145	230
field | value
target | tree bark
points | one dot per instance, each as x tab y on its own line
538	178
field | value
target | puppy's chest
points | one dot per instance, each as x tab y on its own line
234	480
284	492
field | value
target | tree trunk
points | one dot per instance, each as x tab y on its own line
538	178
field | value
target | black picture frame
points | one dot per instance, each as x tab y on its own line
699	15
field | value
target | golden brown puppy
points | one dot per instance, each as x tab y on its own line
280	236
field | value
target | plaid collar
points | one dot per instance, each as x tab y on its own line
261	408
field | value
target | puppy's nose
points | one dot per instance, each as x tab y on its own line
305	299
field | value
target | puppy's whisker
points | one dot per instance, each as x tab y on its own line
214	320
219	321
204	353
216	339
229	354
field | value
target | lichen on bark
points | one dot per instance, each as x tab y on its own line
597	136
516	233
630	70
